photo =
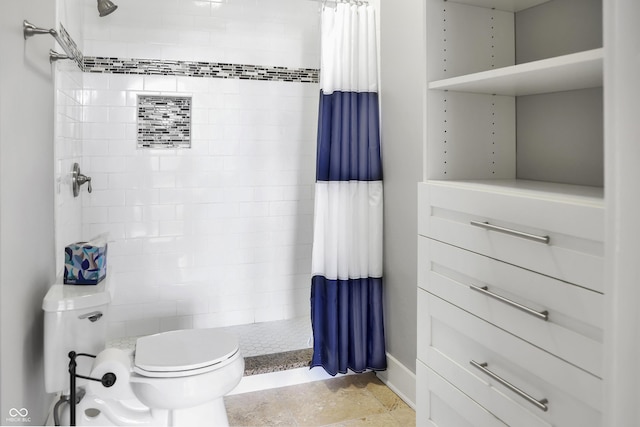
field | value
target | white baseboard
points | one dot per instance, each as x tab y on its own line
399	379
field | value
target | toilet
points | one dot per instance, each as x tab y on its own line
176	378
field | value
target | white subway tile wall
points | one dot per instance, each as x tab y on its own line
216	235
219	234
67	151
68	143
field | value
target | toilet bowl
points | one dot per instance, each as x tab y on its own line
176	378
187	372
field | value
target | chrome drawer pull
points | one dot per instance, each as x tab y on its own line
522	234
544	315
541	404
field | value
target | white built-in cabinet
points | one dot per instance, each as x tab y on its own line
511	215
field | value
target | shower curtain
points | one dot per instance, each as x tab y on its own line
346	287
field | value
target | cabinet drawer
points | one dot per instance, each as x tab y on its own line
439	404
517	301
465	214
449	339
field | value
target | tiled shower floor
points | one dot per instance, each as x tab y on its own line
273	337
257	338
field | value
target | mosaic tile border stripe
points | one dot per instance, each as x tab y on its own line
99	64
93	64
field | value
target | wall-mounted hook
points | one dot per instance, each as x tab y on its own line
54	56
78	179
29	30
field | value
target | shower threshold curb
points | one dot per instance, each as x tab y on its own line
276	362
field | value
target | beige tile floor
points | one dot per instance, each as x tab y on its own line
349	401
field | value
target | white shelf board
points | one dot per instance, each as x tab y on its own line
593	196
506	5
568	72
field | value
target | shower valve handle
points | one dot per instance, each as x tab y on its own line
82	179
79	179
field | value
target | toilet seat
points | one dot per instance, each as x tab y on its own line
183	353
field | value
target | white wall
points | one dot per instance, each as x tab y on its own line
402	65
221	233
26	206
622	274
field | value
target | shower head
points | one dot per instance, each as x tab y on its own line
105	7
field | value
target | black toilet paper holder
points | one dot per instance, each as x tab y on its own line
107	380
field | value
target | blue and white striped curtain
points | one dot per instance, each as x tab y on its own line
346	288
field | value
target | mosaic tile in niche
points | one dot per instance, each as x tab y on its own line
164	121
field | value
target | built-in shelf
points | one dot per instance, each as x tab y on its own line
536	189
562	73
506	5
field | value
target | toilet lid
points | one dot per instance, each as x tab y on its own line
184	350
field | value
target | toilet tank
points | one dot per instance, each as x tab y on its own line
75	319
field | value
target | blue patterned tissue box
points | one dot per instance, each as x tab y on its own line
85	263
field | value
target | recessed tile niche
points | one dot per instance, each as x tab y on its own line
164	121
